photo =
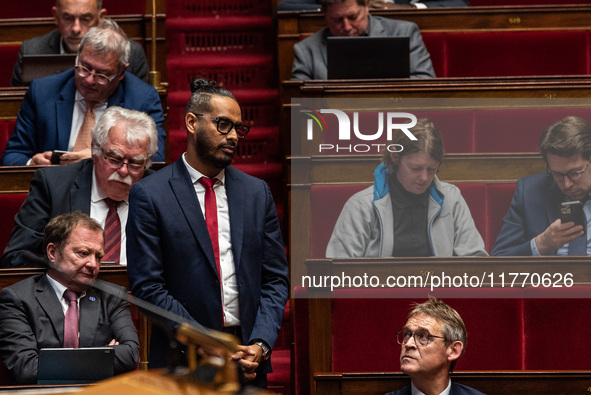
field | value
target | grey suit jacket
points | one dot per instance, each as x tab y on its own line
310	54
50	44
32	318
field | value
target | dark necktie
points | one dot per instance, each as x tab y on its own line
71	320
112	232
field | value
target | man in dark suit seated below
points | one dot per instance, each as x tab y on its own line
59	111
60	308
352	18
432	341
532	225
73	19
123	144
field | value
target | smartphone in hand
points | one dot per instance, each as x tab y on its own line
573	212
56	156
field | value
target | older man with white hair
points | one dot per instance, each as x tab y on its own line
123	145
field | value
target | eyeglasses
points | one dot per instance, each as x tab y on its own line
573	175
225	126
116	164
421	338
100	79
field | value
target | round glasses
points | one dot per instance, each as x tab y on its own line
224	125
100	79
116	164
573	175
421	338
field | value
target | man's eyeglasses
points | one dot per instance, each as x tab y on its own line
421	338
573	175
225	126
100	79
116	164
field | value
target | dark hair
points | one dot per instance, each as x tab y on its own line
454	328
568	137
201	92
428	141
58	229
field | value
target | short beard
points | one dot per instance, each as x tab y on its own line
206	152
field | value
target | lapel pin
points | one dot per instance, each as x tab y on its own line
92	298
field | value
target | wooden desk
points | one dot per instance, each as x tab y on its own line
489	382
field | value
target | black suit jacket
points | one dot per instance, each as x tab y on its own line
32	318
50	44
54	190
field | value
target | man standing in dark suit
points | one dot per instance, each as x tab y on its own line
181	212
34	312
352	18
73	19
59	111
533	226
432	341
124	142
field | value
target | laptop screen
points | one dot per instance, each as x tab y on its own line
75	365
368	57
37	66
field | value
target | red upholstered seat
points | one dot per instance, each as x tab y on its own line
557	330
517	130
498	202
435	44
379	318
517	53
10	204
8	54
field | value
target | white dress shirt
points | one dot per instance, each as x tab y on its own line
229	292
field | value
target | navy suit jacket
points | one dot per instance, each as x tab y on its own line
31	318
50	44
54	190
45	118
535	205
456	389
170	260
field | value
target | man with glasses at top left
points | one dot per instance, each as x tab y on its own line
533	225
123	145
58	112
